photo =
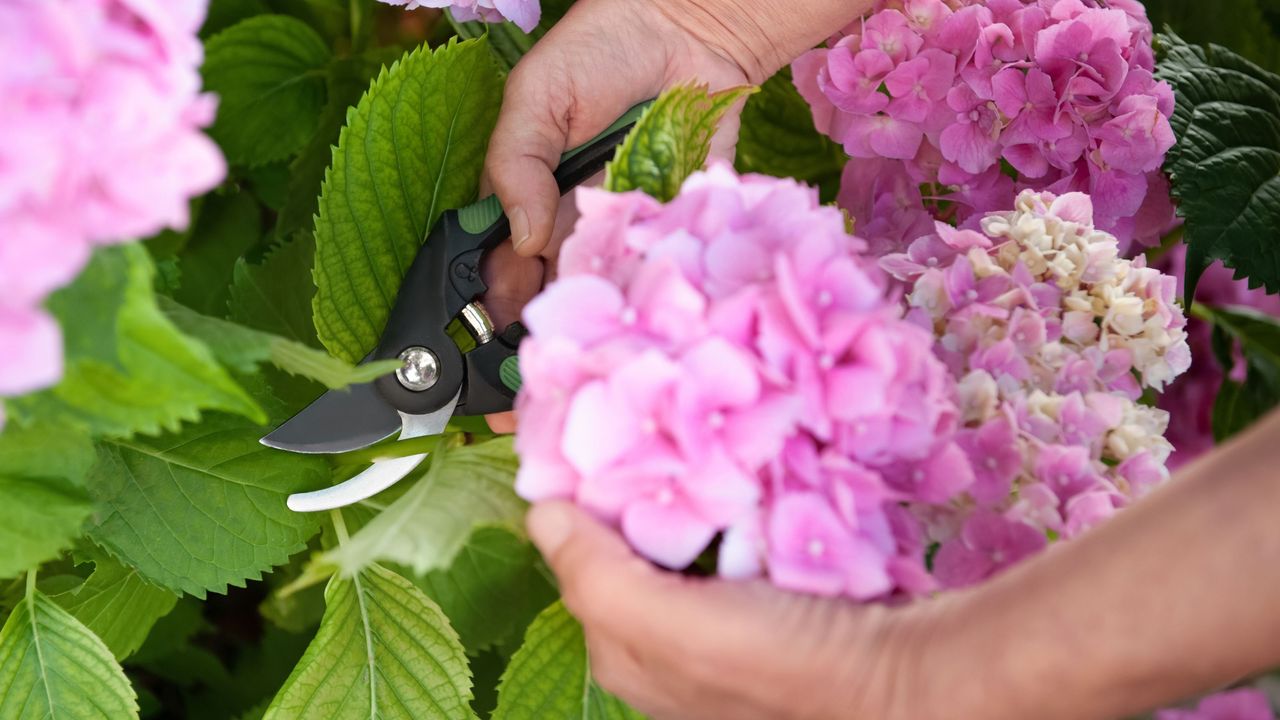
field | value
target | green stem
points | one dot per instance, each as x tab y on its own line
31	582
339	525
403	448
357	26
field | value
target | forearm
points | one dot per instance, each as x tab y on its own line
763	36
1176	595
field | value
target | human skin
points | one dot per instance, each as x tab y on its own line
1178	595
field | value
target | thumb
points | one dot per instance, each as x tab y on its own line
596	568
523	153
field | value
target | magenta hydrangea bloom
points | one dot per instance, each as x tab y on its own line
1243	704
1052	337
524	13
731	364
1190	400
954	106
100	142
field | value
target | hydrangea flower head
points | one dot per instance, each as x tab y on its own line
1243	704
973	100
730	364
1053	338
100	142
524	13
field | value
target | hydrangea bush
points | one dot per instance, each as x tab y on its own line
987	351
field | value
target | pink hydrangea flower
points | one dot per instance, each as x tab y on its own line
731	364
973	101
524	13
1052	337
1190	399
100	142
1243	704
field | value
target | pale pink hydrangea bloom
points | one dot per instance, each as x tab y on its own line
524	13
952	106
730	364
1243	704
100	142
1053	337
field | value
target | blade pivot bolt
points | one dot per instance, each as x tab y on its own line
420	369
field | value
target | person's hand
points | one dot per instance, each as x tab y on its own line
681	647
602	58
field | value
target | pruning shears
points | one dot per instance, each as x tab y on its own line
436	380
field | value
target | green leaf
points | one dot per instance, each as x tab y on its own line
778	138
244	349
268	72
1225	167
117	604
412	148
93	302
52	666
424	529
42	502
671	141
228	227
275	295
493	589
167	377
204	508
383	651
225	13
1240	404
346	80
549	677
508	42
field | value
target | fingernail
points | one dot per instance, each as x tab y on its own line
519	227
549	526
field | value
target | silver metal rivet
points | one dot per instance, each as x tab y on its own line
420	369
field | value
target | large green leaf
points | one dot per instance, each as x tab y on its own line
778	138
1240	404
117	604
52	666
275	295
424	529
243	349
268	72
549	677
346	80
492	590
93	303
42	502
228	226
412	148
1225	167
671	140
166	378
204	508
384	650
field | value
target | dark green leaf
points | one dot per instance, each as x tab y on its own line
275	295
671	140
493	589
1238	24
268	72
204	508
778	138
1225	168
225	13
508	42
1240	404
227	228
412	148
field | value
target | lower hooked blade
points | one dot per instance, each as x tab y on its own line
383	473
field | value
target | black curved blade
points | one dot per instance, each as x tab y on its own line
338	421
